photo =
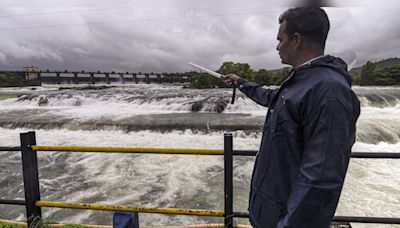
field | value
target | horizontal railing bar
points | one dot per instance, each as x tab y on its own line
380	220
245	152
212	225
374	155
240	214
14	202
183	151
130	150
102	207
353	154
198	212
10	148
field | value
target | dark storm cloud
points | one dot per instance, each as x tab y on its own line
371	33
162	36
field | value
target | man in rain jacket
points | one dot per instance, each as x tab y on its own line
309	129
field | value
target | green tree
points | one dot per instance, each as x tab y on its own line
395	73
280	76
13	79
388	75
244	70
203	80
384	77
262	76
356	78
367	74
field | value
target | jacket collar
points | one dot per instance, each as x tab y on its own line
311	60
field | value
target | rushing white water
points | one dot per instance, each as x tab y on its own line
124	101
372	187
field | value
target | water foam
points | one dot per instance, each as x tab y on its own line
125	101
177	181
180	180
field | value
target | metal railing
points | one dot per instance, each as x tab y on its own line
33	203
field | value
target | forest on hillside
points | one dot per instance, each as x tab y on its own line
385	72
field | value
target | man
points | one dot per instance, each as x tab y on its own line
309	129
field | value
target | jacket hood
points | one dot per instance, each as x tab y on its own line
332	62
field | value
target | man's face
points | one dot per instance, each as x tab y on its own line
286	46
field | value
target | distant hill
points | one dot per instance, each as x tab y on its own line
390	67
384	72
378	65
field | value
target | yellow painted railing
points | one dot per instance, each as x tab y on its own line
130	150
212	225
102	207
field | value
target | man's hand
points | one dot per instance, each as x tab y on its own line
231	79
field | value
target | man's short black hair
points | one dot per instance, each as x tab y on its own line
311	22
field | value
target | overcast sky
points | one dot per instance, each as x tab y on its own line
164	35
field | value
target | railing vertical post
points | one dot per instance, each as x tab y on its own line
58	77
75	77
76	80
108	78
228	180
121	78
159	78
31	178
91	77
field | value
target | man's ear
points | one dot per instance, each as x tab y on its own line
297	39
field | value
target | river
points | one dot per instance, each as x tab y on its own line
151	115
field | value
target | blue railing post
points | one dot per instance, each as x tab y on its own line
31	178
228	180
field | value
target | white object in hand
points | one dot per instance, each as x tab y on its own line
208	71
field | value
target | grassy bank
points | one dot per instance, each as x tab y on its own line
14	224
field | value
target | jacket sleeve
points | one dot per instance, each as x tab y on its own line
257	93
328	125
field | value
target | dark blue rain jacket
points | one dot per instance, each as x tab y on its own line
306	144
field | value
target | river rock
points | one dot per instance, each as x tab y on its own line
197	106
42	100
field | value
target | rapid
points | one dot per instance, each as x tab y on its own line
152	115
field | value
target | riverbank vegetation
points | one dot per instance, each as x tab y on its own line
12	224
244	70
385	72
16	79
